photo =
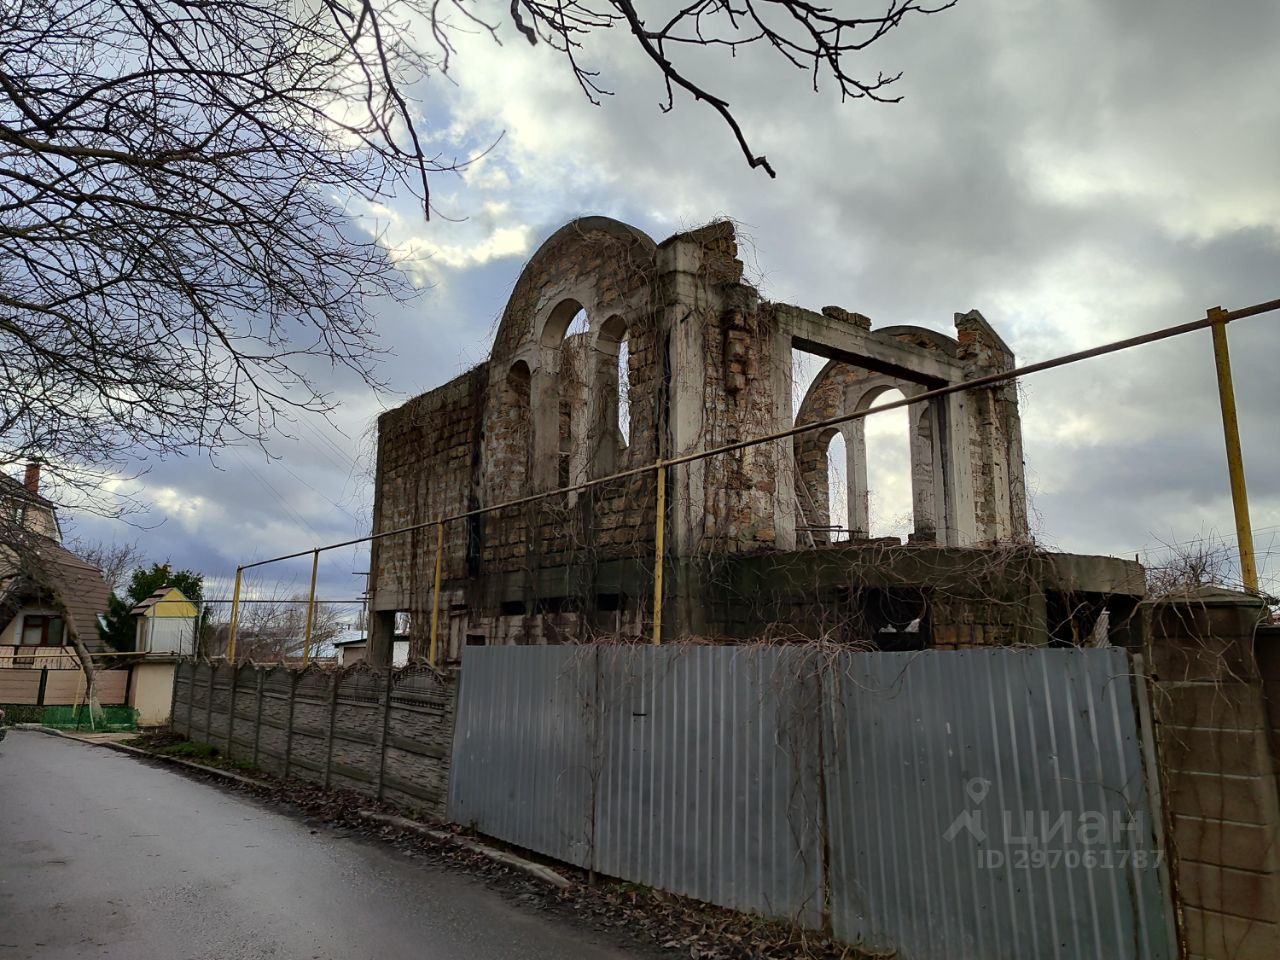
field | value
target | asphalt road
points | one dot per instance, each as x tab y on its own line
105	856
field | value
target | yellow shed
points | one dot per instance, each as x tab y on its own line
166	623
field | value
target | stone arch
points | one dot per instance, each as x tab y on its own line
605	267
863	396
922	337
554	324
841	388
622	259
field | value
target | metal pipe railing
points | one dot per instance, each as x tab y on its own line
1215	320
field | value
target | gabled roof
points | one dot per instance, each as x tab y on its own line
167	595
76	584
9	487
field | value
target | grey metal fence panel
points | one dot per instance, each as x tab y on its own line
991	804
988	803
522	748
707	780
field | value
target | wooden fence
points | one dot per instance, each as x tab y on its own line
45	687
387	735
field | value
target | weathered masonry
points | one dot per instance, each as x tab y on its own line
615	351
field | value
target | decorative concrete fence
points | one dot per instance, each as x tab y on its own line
388	735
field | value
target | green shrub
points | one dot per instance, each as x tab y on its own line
21	713
113	719
189	749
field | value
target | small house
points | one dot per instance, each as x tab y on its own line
353	651
166	623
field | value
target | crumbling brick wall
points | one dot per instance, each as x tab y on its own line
427	452
995	432
1219	772
708	364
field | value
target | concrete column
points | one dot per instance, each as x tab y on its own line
855	458
544	422
584	415
686	424
924	474
957	471
785	480
601	422
382	626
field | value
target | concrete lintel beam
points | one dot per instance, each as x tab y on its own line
821	335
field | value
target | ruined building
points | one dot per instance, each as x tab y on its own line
615	351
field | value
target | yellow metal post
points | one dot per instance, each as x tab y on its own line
659	549
311	608
235	617
1235	460
435	601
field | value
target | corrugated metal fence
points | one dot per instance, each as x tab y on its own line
985	803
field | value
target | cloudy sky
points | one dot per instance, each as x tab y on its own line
1078	171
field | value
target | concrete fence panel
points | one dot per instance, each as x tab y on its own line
384	735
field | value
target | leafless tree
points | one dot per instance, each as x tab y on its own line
1187	567
271	626
116	560
180	261
820	40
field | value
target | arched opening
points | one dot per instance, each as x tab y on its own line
887	447
611	425
572	397
624	393
837	478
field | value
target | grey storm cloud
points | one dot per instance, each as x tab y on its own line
1079	172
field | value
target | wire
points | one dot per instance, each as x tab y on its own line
932	394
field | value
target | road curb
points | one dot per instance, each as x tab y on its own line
124	748
536	870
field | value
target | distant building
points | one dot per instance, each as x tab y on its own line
354	650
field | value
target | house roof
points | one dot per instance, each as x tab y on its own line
175	603
351	642
76	584
11	487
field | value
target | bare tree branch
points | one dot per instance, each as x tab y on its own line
179	267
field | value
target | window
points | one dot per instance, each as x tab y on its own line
613	381
40	629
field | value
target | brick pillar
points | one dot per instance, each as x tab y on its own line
1217	772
